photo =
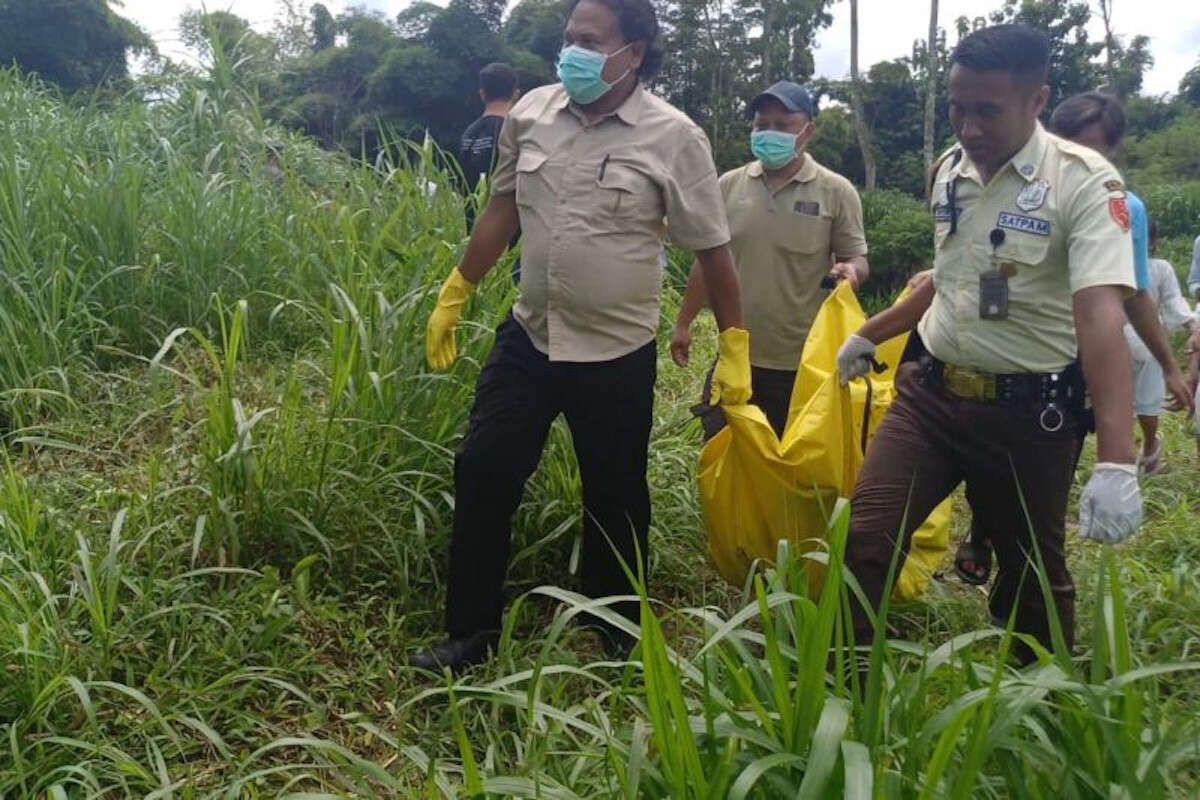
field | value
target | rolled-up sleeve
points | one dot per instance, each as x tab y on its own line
694	205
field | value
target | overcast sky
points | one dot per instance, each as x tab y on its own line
887	28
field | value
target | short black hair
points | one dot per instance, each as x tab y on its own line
1077	112
1019	50
1152	230
639	23
497	81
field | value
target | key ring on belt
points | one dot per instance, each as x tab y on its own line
1052	418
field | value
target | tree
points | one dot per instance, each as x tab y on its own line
324	28
1124	67
536	26
1130	66
860	120
1110	43
788	32
76	44
931	72
490	11
222	35
1189	87
1072	54
413	22
712	71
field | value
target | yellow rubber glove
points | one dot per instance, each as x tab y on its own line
731	378
440	350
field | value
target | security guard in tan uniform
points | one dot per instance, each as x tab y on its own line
793	223
589	167
1033	261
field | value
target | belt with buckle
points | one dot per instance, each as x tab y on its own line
969	384
1053	392
985	387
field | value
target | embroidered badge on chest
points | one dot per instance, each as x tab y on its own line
1033	196
807	208
1017	222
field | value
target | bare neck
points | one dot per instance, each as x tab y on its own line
989	171
497	108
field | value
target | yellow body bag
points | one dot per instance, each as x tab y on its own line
756	489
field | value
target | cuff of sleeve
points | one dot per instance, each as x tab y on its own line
700	245
1122	281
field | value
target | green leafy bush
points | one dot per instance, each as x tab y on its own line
1176	207
900	237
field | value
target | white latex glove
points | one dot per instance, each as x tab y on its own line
1110	509
853	359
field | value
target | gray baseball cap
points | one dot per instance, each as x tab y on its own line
793	96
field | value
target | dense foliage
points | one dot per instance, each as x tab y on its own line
359	78
226	493
225	506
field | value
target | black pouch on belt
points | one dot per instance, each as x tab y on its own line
913	349
1078	403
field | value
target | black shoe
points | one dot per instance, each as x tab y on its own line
457	654
618	645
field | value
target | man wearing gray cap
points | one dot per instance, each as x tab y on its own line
793	222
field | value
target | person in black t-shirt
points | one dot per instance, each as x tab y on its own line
477	150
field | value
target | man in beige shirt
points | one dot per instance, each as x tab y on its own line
1033	260
589	167
792	222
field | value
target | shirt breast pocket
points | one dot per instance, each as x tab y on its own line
533	187
626	193
806	233
1022	252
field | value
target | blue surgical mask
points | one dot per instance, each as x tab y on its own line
775	149
581	72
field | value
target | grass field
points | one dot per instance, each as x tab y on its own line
226	498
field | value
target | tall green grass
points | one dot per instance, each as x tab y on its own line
226	497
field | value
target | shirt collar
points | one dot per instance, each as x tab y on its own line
803	175
628	112
1025	163
1028	159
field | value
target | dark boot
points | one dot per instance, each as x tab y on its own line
456	654
618	645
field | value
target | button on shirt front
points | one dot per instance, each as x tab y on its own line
592	197
1065	223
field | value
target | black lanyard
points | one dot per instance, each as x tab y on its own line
952	193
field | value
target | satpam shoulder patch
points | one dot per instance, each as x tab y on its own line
1114	186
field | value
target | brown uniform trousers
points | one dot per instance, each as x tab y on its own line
1018	477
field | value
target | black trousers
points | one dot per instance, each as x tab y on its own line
771	390
608	406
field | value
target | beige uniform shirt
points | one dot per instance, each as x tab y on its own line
1061	208
592	198
784	244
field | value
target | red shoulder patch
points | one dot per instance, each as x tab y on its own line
1118	209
